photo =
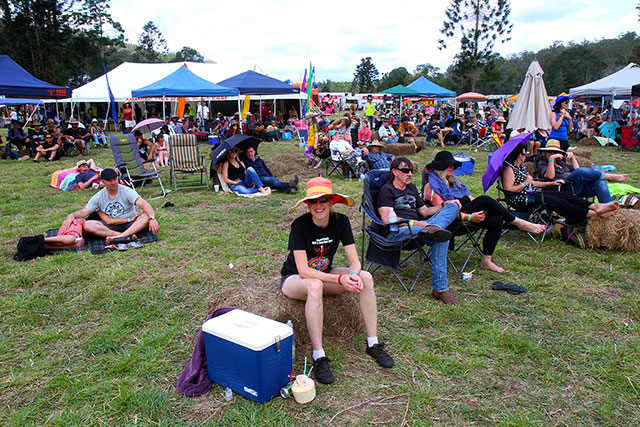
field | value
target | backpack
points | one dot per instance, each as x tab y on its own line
30	247
575	235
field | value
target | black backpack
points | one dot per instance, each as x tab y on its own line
30	247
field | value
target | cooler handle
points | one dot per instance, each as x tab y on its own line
278	343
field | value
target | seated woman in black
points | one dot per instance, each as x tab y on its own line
308	272
486	212
522	192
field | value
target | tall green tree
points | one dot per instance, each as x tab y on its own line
365	76
397	76
188	54
479	24
151	43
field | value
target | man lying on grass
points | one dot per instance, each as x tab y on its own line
111	212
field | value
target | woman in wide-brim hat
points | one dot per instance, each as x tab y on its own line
442	185
561	122
308	272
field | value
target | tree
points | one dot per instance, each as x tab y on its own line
188	54
151	43
479	24
427	70
365	76
397	76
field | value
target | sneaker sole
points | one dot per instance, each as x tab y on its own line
436	236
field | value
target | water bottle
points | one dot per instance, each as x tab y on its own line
293	341
392	219
350	177
228	394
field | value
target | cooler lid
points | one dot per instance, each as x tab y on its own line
247	329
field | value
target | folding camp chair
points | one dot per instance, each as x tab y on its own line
303	135
380	250
627	142
336	163
185	159
538	214
468	233
133	171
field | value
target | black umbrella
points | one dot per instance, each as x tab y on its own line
242	141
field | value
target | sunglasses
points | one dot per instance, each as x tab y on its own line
234	151
405	170
318	200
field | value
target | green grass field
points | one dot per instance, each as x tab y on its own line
101	339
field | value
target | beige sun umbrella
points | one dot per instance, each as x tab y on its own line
532	109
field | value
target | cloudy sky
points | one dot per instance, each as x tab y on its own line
282	37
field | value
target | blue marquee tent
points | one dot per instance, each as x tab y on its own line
17	82
183	82
428	88
252	83
20	101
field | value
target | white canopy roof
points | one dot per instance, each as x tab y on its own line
618	83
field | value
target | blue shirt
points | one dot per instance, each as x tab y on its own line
378	160
561	133
258	165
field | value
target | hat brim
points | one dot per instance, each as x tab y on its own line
552	149
337	198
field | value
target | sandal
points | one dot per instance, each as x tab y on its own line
508	287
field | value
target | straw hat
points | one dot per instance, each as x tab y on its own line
310	115
318	187
501	120
73	121
377	143
553	145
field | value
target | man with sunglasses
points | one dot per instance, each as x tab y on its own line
401	195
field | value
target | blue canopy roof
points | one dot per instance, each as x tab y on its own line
252	83
16	81
20	101
183	82
429	88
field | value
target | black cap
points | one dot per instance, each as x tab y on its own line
108	174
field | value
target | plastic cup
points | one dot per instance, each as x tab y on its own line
216	187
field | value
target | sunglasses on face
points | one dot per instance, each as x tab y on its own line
318	200
234	151
405	170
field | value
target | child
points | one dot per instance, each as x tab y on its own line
163	151
68	236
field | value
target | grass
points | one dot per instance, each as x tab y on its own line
101	340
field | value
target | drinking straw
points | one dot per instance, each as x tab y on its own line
310	370
305	365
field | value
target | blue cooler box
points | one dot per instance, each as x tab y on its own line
213	139
248	353
468	164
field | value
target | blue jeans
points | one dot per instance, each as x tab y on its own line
275	183
390	139
98	138
590	182
370	118
442	219
251	178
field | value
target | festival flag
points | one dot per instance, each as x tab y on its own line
181	103
114	110
310	87
303	84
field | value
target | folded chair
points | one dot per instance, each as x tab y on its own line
185	159
336	164
381	251
133	170
466	231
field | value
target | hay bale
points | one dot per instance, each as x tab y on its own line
621	231
531	168
589	142
584	162
582	152
285	165
342	320
400	149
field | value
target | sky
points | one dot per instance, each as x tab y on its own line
281	38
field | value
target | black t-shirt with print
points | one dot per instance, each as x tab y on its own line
320	244
405	202
36	137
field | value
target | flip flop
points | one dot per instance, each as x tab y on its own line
508	287
109	248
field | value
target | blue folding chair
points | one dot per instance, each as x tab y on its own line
381	251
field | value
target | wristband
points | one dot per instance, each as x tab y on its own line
354	272
469	218
339	279
153	218
552	160
129	219
71	215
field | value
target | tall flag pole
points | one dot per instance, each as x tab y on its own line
114	111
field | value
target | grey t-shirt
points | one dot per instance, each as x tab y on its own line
122	206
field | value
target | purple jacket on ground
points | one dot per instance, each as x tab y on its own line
194	379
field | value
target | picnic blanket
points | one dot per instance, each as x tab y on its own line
63	179
98	243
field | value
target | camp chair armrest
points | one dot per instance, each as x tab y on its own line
122	164
149	161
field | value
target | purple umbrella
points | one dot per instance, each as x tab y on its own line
498	156
149	125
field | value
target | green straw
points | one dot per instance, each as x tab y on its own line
305	365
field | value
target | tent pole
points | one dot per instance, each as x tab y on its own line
275	116
57	113
260	104
164	113
240	113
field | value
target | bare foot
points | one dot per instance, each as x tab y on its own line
529	226
605	210
617	177
490	265
109	239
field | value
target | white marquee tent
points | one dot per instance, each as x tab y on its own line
616	84
129	76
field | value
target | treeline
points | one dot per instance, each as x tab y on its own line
68	42
565	66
